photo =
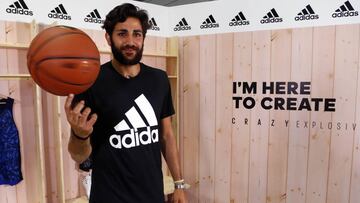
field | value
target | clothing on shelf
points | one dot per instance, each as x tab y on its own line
10	157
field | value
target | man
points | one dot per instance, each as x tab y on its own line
124	121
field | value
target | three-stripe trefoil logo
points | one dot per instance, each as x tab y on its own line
19	7
239	20
345	10
182	25
271	17
59	13
306	14
210	22
94	17
140	127
154	25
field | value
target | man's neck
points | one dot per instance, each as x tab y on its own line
127	71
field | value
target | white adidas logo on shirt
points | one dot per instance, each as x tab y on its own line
136	138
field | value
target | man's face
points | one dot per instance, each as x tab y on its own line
127	41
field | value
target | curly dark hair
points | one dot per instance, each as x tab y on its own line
121	13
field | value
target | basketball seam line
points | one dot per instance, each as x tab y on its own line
58	79
52	38
66	57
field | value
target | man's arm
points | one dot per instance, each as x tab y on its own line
81	128
169	148
171	155
79	149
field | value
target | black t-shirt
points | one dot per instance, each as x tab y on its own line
126	151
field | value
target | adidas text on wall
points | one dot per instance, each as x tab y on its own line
345	10
19	7
94	17
239	20
59	13
154	25
306	14
271	17
144	126
182	25
209	23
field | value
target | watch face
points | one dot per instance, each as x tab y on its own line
180	186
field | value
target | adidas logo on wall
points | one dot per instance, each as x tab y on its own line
307	14
60	13
271	17
239	20
94	17
144	126
209	23
345	10
19	7
182	25
154	24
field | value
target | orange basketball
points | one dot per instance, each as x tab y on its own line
63	60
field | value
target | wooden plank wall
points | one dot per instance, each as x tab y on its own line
243	162
270	155
13	61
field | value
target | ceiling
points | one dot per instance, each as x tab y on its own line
173	2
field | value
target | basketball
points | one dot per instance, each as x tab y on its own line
63	60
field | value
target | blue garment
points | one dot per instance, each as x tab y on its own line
10	162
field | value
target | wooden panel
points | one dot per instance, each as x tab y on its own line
149	47
207	118
160	49
240	145
299	128
4	90
294	168
224	57
322	87
71	173
259	119
278	135
25	122
171	67
181	102
355	172
17	32
14	61
7	193
345	76
50	161
191	115
155	45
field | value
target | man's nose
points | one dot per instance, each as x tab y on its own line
130	40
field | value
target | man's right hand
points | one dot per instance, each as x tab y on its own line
78	118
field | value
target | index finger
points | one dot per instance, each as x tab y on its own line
68	102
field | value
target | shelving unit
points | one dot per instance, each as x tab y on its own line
171	58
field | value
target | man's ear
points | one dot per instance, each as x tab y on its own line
108	38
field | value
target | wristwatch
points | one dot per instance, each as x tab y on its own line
179	184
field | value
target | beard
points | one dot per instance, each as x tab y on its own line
121	58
